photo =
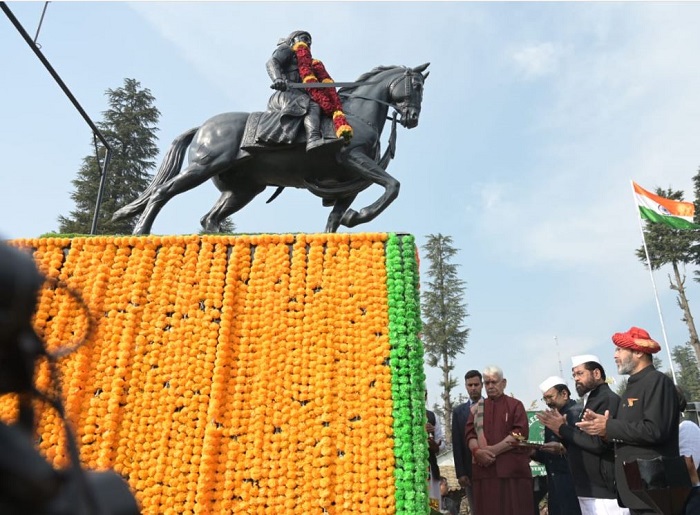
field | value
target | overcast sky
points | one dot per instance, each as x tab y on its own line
535	118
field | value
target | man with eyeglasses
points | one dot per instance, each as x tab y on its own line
561	494
501	477
591	459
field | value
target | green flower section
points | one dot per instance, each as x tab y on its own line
407	377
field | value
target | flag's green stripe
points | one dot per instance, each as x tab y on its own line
672	221
407	377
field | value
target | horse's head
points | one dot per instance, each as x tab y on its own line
406	94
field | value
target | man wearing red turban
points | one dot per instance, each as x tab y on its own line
646	425
636	339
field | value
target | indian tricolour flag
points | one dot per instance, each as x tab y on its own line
678	215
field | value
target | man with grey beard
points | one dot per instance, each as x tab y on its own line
646	425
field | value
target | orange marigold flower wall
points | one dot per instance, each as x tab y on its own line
239	374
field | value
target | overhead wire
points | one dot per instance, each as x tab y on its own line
41	21
96	132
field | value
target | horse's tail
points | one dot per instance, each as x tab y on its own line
169	168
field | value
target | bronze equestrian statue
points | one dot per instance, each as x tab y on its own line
244	153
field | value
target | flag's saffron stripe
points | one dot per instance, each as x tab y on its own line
676	214
664	206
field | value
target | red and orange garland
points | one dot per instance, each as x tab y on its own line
312	70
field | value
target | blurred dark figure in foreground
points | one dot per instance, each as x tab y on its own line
28	484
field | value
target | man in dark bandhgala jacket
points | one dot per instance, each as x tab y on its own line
591	459
646	425
561	494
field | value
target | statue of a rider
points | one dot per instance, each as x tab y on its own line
291	62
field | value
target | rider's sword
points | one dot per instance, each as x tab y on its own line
317	85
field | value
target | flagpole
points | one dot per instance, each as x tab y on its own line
653	284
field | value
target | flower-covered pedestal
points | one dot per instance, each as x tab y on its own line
277	373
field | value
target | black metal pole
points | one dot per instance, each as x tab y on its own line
100	190
77	105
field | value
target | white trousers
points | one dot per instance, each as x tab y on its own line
434	493
593	506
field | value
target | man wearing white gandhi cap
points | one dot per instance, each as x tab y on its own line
561	494
591	459
581	360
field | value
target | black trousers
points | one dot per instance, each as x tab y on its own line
561	495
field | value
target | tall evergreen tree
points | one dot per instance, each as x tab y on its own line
695	249
129	126
444	312
689	375
675	247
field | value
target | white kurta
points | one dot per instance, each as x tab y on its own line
434	482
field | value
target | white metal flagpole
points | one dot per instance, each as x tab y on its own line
653	284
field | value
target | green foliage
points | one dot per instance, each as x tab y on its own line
129	126
656	361
443	308
621	387
444	312
695	250
688	376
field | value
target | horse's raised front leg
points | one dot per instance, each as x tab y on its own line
368	168
339	207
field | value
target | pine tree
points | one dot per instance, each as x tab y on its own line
675	247
689	375
621	387
444	311
129	126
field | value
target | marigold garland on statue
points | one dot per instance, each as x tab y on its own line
313	70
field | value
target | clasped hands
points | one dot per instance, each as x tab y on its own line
552	419
432	444
484	457
594	424
553	448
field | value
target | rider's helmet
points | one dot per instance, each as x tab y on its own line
299	35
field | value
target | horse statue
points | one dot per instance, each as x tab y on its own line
336	176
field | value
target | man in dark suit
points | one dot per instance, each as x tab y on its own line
591	459
646	425
561	493
462	456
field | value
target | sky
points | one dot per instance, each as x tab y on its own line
536	117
